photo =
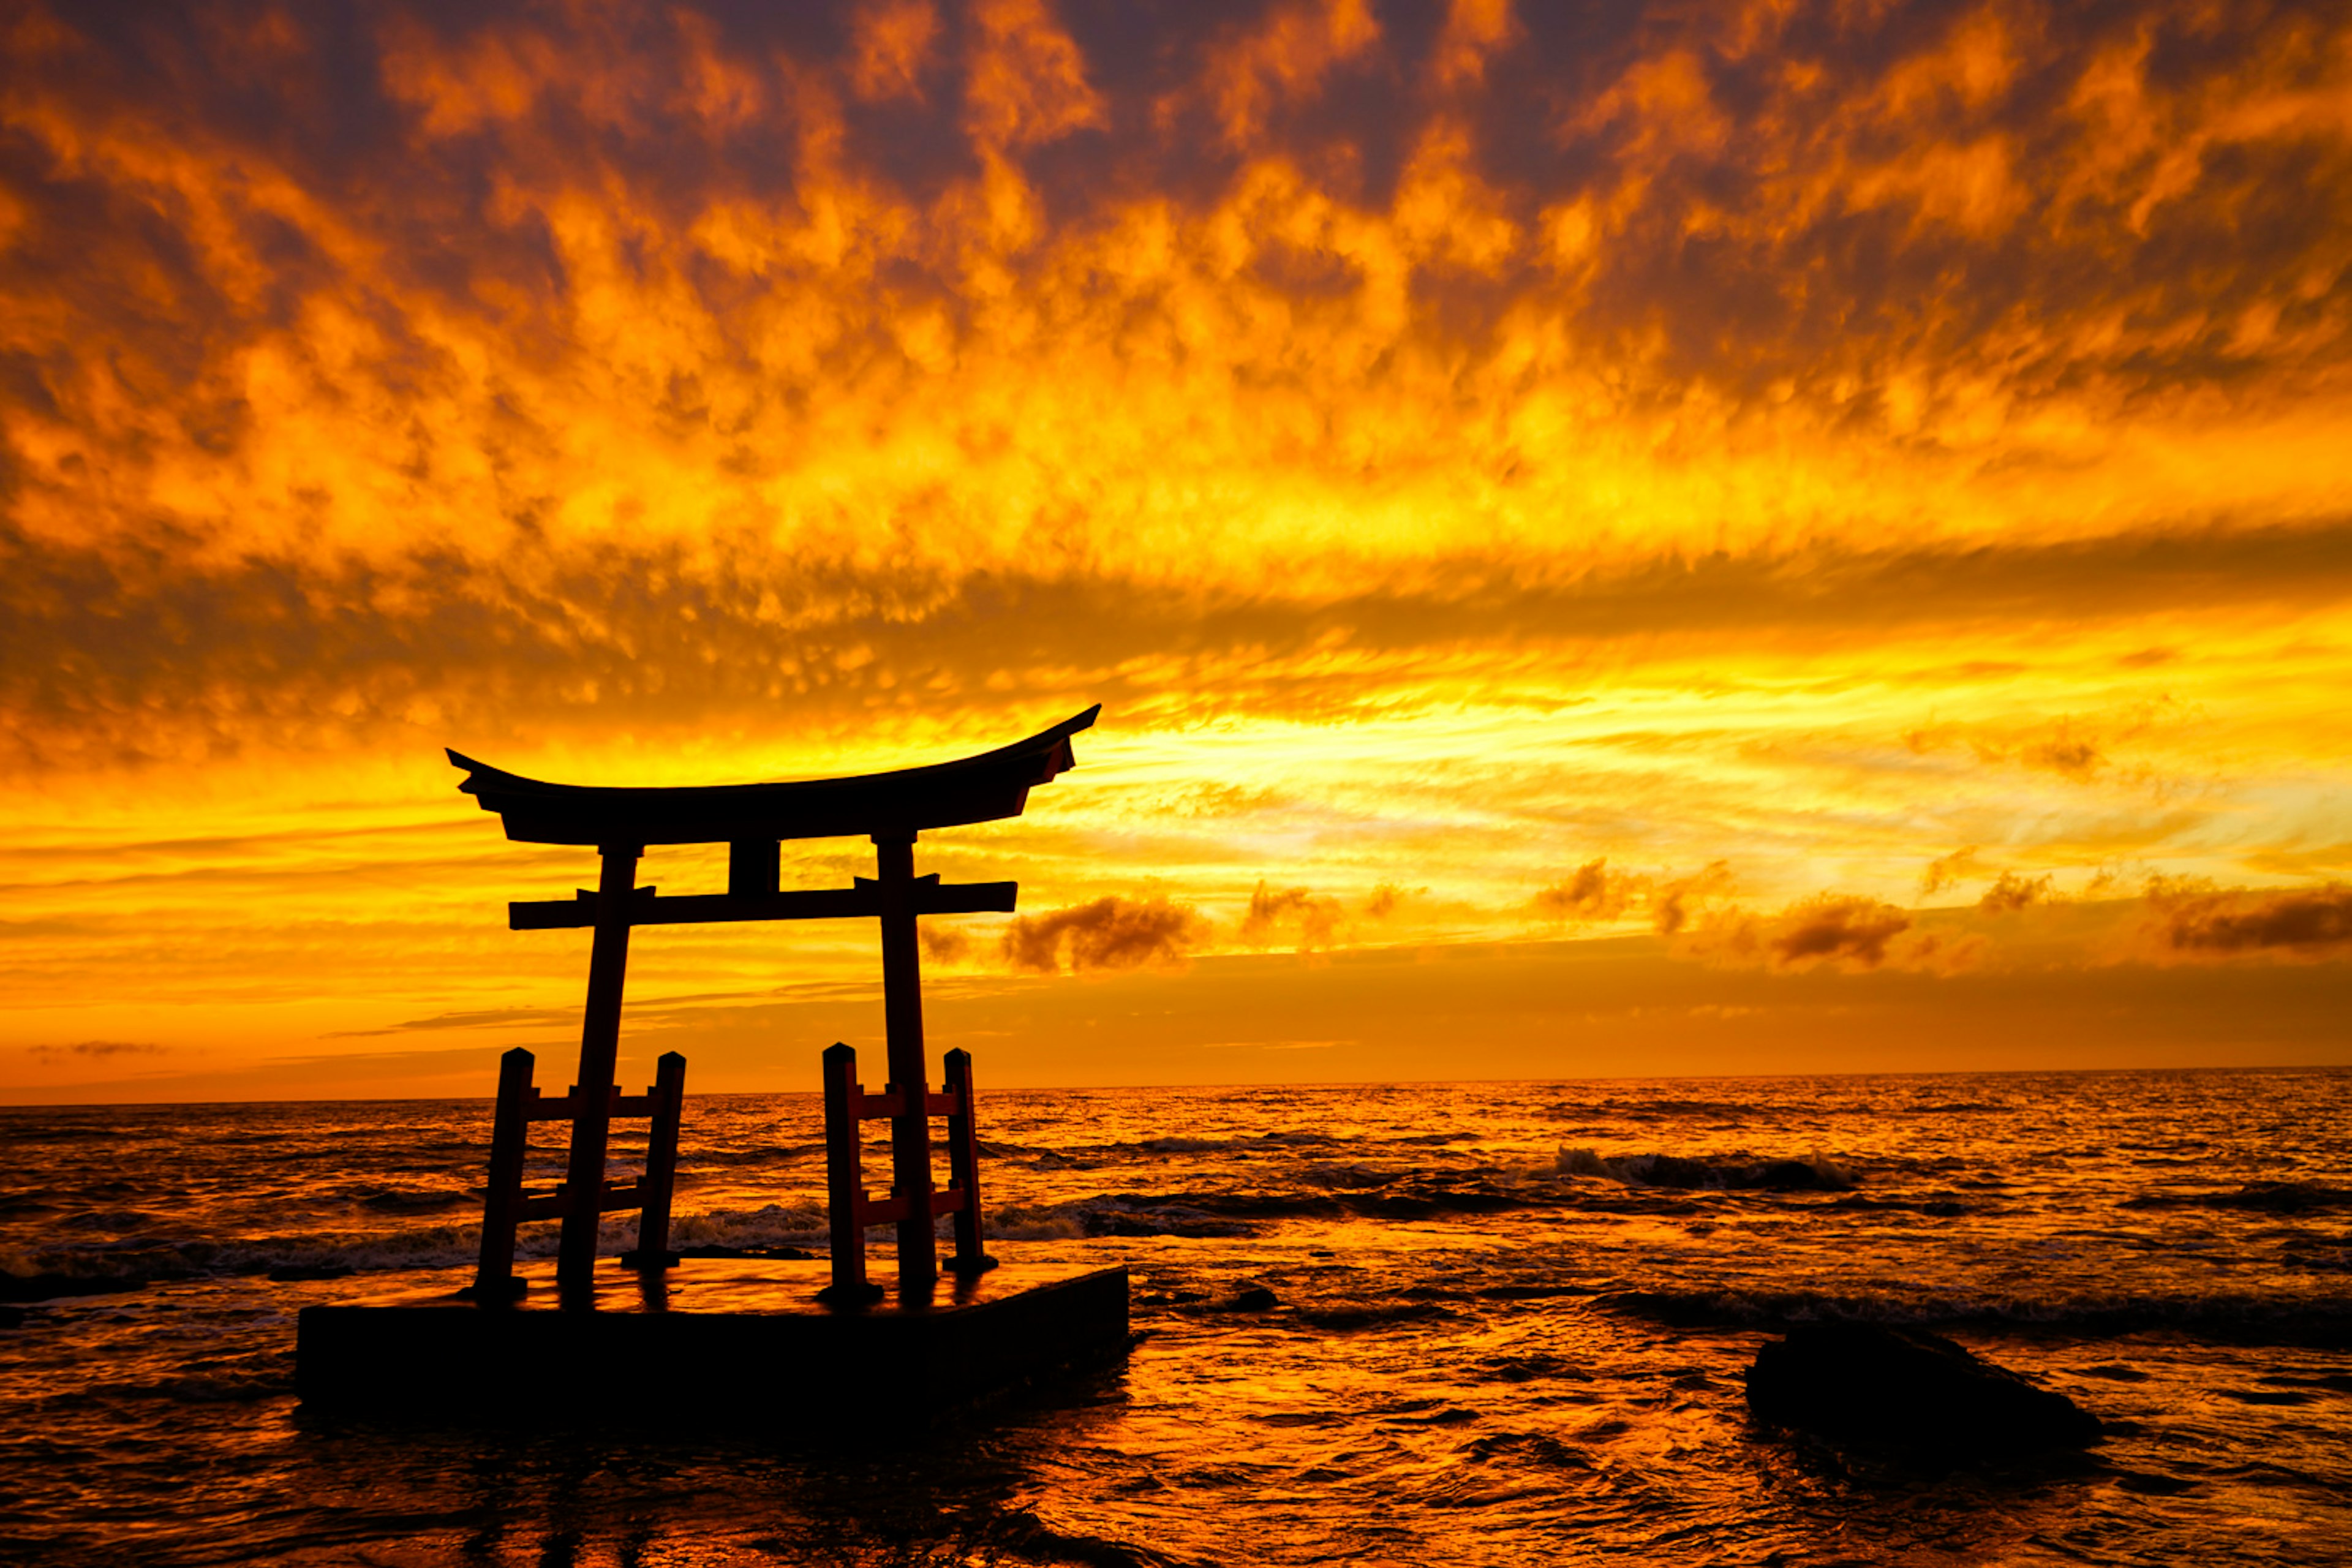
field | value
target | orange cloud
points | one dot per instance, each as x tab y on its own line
891	47
1284	58
944	944
97	1048
1672	904
1110	932
1947	870
2191	919
2011	892
1593	893
1317	918
1027	82
1839	930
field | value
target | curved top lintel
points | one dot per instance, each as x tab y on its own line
981	788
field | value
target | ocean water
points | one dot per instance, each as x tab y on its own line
1509	1324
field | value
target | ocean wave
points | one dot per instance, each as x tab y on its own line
414	1200
1126	1215
756	1154
1663	1109
434	1227
2255	1198
770	1226
1813	1173
43	1273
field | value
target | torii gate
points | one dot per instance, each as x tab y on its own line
752	820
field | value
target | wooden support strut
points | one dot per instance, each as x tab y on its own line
963	1166
494	1278
845	1181
666	1110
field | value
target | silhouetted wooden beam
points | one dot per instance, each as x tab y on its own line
899	899
983	788
932	897
963	1167
600	1044
558	1204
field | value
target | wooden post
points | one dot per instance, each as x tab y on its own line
660	1179
963	1166
902	1014
494	1279
600	1044
843	1181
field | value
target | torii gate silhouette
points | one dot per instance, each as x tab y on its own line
753	820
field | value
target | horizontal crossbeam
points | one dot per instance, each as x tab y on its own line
566	1108
557	1205
880	1107
929	895
891	1210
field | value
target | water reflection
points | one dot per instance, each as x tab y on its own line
1426	1324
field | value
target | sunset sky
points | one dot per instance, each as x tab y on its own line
1609	539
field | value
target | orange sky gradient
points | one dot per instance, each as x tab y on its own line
1741	538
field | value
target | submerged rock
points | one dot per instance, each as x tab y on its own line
1905	1388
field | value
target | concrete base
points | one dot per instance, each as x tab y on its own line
715	1338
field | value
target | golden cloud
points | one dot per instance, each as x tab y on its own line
1316	920
2011	892
2191	919
1111	933
1839	930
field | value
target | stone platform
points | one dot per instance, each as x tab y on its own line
709	1338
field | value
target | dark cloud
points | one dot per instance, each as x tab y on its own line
2192	918
2011	892
1110	932
99	1049
1838	930
1592	893
473	1018
1856	929
111	656
944	943
1675	901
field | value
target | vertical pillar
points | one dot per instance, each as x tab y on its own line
509	1140
963	1166
600	1044
660	1179
844	1179
902	1015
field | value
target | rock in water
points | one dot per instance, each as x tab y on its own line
1908	1389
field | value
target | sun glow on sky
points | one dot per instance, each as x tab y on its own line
1742	537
